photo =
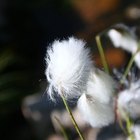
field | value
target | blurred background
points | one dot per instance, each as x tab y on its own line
27	27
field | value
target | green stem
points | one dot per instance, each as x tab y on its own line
128	126
120	121
127	131
101	51
122	127
128	67
62	128
72	118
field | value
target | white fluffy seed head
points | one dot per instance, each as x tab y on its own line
95	113
68	67
129	101
136	130
100	86
124	41
127	42
115	37
97	104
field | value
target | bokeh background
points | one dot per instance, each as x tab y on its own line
27	27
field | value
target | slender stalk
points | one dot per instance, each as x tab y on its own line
121	124
128	126
62	128
128	67
122	127
72	118
127	131
101	51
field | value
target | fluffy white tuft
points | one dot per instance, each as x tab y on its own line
115	37
136	130
96	105
68	67
100	86
124	41
129	101
95	113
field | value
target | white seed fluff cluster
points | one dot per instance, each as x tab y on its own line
70	71
97	102
136	131
127	42
95	113
124	41
129	101
102	84
68	66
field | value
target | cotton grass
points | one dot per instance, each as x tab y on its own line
71	72
126	41
68	66
96	105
